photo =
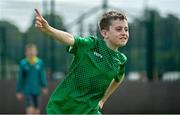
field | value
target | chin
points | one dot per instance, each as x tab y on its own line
122	44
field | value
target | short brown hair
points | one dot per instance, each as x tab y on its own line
30	45
106	18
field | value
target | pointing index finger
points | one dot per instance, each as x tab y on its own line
37	12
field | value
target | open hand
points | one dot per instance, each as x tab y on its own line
44	91
19	96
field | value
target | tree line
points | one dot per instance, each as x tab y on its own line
164	40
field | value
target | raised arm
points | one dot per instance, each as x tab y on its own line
61	36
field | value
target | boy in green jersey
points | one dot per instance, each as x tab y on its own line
97	68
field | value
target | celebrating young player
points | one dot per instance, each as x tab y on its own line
97	69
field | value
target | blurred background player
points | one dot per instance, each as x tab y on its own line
31	80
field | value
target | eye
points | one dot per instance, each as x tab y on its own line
118	29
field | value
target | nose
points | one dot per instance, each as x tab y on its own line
123	32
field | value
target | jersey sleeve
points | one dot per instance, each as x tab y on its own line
122	67
80	42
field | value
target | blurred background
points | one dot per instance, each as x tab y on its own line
153	70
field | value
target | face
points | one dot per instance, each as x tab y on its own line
117	35
31	52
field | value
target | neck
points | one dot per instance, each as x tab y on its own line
32	59
109	45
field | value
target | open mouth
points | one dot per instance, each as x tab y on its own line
123	38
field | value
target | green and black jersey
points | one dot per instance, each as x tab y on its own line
91	72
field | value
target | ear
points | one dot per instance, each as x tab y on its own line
104	33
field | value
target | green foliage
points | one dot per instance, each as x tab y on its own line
12	39
53	53
166	43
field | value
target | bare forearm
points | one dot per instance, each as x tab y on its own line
61	36
112	87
